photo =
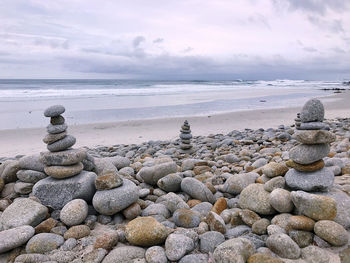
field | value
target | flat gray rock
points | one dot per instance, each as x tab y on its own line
54	129
178	245
31	162
319	180
23	211
30	176
210	240
314	137
313	110
62	144
54	111
152	174
67	157
15	237
197	190
283	246
234	250
307	154
55	193
125	254
44	242
110	202
313	126
237	182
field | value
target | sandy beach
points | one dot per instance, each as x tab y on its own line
27	141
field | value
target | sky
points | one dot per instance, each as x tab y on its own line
175	39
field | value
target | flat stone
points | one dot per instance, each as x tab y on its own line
283	246
320	180
275	183
23	211
109	202
313	126
332	232
54	111
125	254
61	172
185	136
237	182
63	158
30	176
32	258
152	174
235	250
312	167
108	180
15	237
31	162
55	193
54	129
145	231
312	110
301	223
210	240
51	138
314	206
255	198
62	144
273	169
306	154
197	190
186	218
23	188
44	242
177	245
74	212
314	137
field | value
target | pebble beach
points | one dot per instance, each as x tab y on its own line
252	194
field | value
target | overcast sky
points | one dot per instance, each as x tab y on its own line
175	39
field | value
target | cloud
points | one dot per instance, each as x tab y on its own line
138	40
158	40
315	6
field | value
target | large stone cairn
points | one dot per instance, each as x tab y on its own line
309	173
186	136
61	161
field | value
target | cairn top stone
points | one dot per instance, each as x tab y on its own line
313	111
54	111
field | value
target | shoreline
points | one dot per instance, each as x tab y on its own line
28	141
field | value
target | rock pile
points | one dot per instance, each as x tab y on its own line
185	137
309	173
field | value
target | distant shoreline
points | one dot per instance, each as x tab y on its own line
28	141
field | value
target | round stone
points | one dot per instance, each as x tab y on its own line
60	172
62	144
237	249
67	157
170	183
54	111
58	120
275	183
255	198
332	232
77	232
302	238
197	190
30	176
210	240
249	217
156	254
306	154
281	200
312	111
132	211
145	231
301	223
310	181
283	246
312	167
315	254
178	245
74	212
186	218
44	242
260	226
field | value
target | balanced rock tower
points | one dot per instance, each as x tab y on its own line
186	136
66	178
61	161
308	173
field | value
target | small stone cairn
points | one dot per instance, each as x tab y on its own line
308	173
61	161
186	136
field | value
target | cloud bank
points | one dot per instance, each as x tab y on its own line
192	39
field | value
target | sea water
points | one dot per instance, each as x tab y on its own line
22	102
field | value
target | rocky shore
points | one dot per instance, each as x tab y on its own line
265	195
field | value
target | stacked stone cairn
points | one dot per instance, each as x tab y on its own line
61	161
308	173
185	137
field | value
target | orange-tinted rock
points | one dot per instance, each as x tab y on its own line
46	226
191	203
219	206
107	240
312	167
301	223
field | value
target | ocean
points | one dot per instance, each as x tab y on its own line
22	102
